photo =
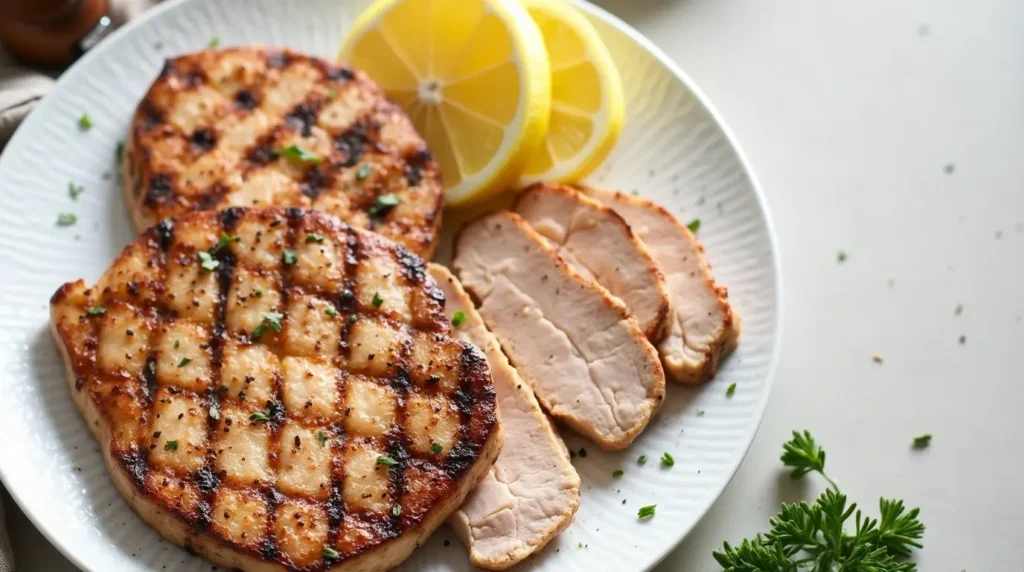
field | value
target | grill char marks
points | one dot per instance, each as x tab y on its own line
207	472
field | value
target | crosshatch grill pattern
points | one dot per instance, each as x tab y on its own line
209	132
279	383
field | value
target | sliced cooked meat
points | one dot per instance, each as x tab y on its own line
704	328
532	492
255	126
275	390
600	246
576	345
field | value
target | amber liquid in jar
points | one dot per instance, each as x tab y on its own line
52	32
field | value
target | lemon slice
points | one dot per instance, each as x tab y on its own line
586	96
472	75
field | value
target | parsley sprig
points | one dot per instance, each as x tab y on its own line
813	537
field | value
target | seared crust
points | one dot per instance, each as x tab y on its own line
208	132
260	448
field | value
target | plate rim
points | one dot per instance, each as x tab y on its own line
38	114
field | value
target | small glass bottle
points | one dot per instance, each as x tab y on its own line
52	32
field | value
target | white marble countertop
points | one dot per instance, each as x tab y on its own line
893	131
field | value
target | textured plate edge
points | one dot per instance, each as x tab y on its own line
762	199
594	11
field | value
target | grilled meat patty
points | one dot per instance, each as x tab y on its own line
276	390
532	492
578	347
256	126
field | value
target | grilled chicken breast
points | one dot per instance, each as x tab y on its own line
704	328
577	346
256	126
532	492
600	245
275	390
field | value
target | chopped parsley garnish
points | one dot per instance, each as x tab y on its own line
396	510
436	448
694	225
214	412
75	190
618	473
85	122
314	237
207	261
332	94
646	511
66	219
667	460
922	441
383	204
580	544
96	310
364	171
385	460
222	242
171	446
289	256
458	318
271	320
352	319
731	390
258	293
119	152
177	343
321	437
184	361
641	459
377	300
331	312
840	256
299	154
214	42
330	553
259	417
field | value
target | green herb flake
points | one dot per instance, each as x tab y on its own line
396	510
646	511
580	545
383	204
289	256
321	438
273	319
642	459
330	553
667	460
258	293
618	473
214	42
207	261
331	312
385	460
222	242
260	417
352	319
75	190
299	154
184	361
119	153
258	331
84	122
436	448
377	300
171	446
314	237
332	94
96	310
458	318
841	257
922	441
731	390
694	225
177	344
214	412
364	171
66	219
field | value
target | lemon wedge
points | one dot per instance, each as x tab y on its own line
472	75
586	96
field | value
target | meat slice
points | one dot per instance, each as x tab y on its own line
576	345
276	390
704	328
532	492
601	246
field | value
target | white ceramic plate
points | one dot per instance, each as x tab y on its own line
674	149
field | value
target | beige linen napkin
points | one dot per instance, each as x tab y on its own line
21	88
